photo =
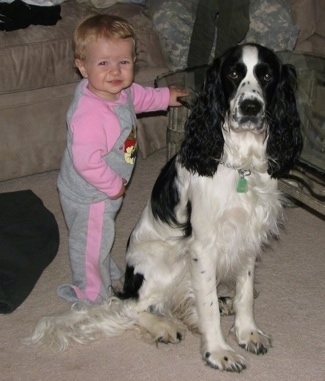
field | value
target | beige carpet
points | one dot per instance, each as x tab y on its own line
290	306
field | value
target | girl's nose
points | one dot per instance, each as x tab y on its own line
115	70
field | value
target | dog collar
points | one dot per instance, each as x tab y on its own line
242	185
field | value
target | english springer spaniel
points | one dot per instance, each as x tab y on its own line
213	208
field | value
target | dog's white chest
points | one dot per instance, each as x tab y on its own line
234	222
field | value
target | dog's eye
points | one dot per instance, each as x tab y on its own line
233	74
267	77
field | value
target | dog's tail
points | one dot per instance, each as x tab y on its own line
84	323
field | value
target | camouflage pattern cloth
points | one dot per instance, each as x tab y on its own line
271	25
173	21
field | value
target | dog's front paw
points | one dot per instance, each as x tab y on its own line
224	359
254	341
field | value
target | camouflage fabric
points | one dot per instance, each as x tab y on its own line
107	3
271	24
173	21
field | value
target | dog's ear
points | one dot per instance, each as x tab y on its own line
203	142
284	140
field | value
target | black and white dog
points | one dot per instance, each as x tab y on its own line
212	209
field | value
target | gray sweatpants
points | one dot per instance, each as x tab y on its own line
91	236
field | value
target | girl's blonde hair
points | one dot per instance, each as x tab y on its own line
98	26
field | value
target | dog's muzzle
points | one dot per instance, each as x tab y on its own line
248	113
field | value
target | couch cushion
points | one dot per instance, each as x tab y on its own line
42	56
303	13
320	18
309	15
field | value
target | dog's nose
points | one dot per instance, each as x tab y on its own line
250	107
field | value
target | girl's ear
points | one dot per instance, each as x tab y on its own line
81	67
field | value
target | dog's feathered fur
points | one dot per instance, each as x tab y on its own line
197	230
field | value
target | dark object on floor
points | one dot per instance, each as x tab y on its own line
29	241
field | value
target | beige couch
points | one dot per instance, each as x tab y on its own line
309	16
37	80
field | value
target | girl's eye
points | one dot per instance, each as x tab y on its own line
233	74
104	63
124	62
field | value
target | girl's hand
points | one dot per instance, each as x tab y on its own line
174	94
121	191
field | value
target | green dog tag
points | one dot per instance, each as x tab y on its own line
242	185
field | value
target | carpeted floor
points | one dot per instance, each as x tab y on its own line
290	307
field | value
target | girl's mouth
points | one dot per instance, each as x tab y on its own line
116	82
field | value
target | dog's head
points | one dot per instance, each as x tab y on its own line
247	89
249	77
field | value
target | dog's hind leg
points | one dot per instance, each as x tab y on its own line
156	328
249	336
226	307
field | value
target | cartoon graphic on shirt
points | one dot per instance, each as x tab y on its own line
130	147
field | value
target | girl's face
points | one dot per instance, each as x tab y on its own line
109	66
